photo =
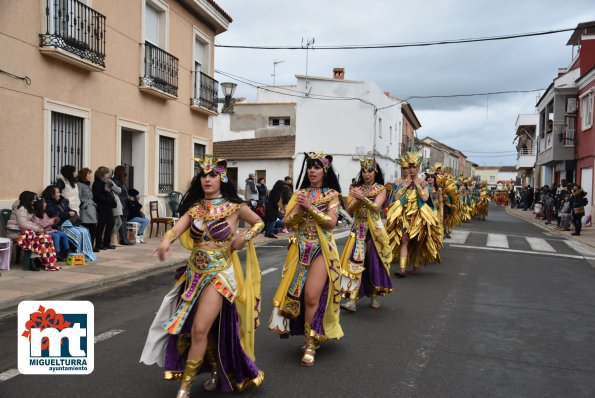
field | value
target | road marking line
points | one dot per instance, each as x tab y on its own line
540	245
269	270
496	249
458	237
497	240
581	248
9	374
108	334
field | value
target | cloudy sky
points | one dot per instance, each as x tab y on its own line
482	127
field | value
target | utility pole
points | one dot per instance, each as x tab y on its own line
275	63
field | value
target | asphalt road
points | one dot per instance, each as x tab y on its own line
484	323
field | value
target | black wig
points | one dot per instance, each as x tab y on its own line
378	177
330	179
195	193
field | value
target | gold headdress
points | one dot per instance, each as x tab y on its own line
208	164
413	157
437	166
325	159
368	163
403	161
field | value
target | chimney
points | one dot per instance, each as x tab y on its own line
338	73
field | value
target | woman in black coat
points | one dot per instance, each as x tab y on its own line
578	202
105	203
120	181
271	213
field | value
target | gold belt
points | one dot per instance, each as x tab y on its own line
205	261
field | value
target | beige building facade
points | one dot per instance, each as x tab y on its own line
107	83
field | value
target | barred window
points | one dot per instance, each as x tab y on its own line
66	144
166	164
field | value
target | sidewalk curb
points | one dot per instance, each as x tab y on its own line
9	307
538	224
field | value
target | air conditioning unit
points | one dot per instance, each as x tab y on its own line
571	105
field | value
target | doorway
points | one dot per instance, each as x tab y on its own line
587	185
133	158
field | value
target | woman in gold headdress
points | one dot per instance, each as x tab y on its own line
307	300
483	202
451	213
365	262
412	225
212	310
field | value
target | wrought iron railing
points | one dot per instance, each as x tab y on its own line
74	27
161	70
205	91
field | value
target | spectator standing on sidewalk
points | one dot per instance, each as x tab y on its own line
579	201
263	191
88	207
120	181
251	191
271	214
105	203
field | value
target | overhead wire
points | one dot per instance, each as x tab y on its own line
399	45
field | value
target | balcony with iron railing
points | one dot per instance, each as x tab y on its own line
160	75
526	158
205	94
75	33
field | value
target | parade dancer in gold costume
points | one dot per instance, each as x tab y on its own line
412	225
212	310
365	262
307	300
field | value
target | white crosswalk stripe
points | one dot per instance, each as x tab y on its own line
540	245
458	237
466	239
497	240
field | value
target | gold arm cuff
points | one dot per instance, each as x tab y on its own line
252	232
353	206
293	219
370	205
170	235
319	216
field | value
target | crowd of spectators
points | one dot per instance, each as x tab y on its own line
563	204
82	212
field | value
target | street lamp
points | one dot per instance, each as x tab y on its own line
228	91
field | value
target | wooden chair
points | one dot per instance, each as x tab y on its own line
156	219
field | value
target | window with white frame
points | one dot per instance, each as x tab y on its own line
167	150
587	111
155	23
279	121
201	60
66	142
199	152
492	178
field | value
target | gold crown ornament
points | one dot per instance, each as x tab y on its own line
438	166
323	158
413	157
208	164
368	163
403	161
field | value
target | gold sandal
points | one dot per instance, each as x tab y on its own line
308	357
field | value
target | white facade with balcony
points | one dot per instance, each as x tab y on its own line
526	130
